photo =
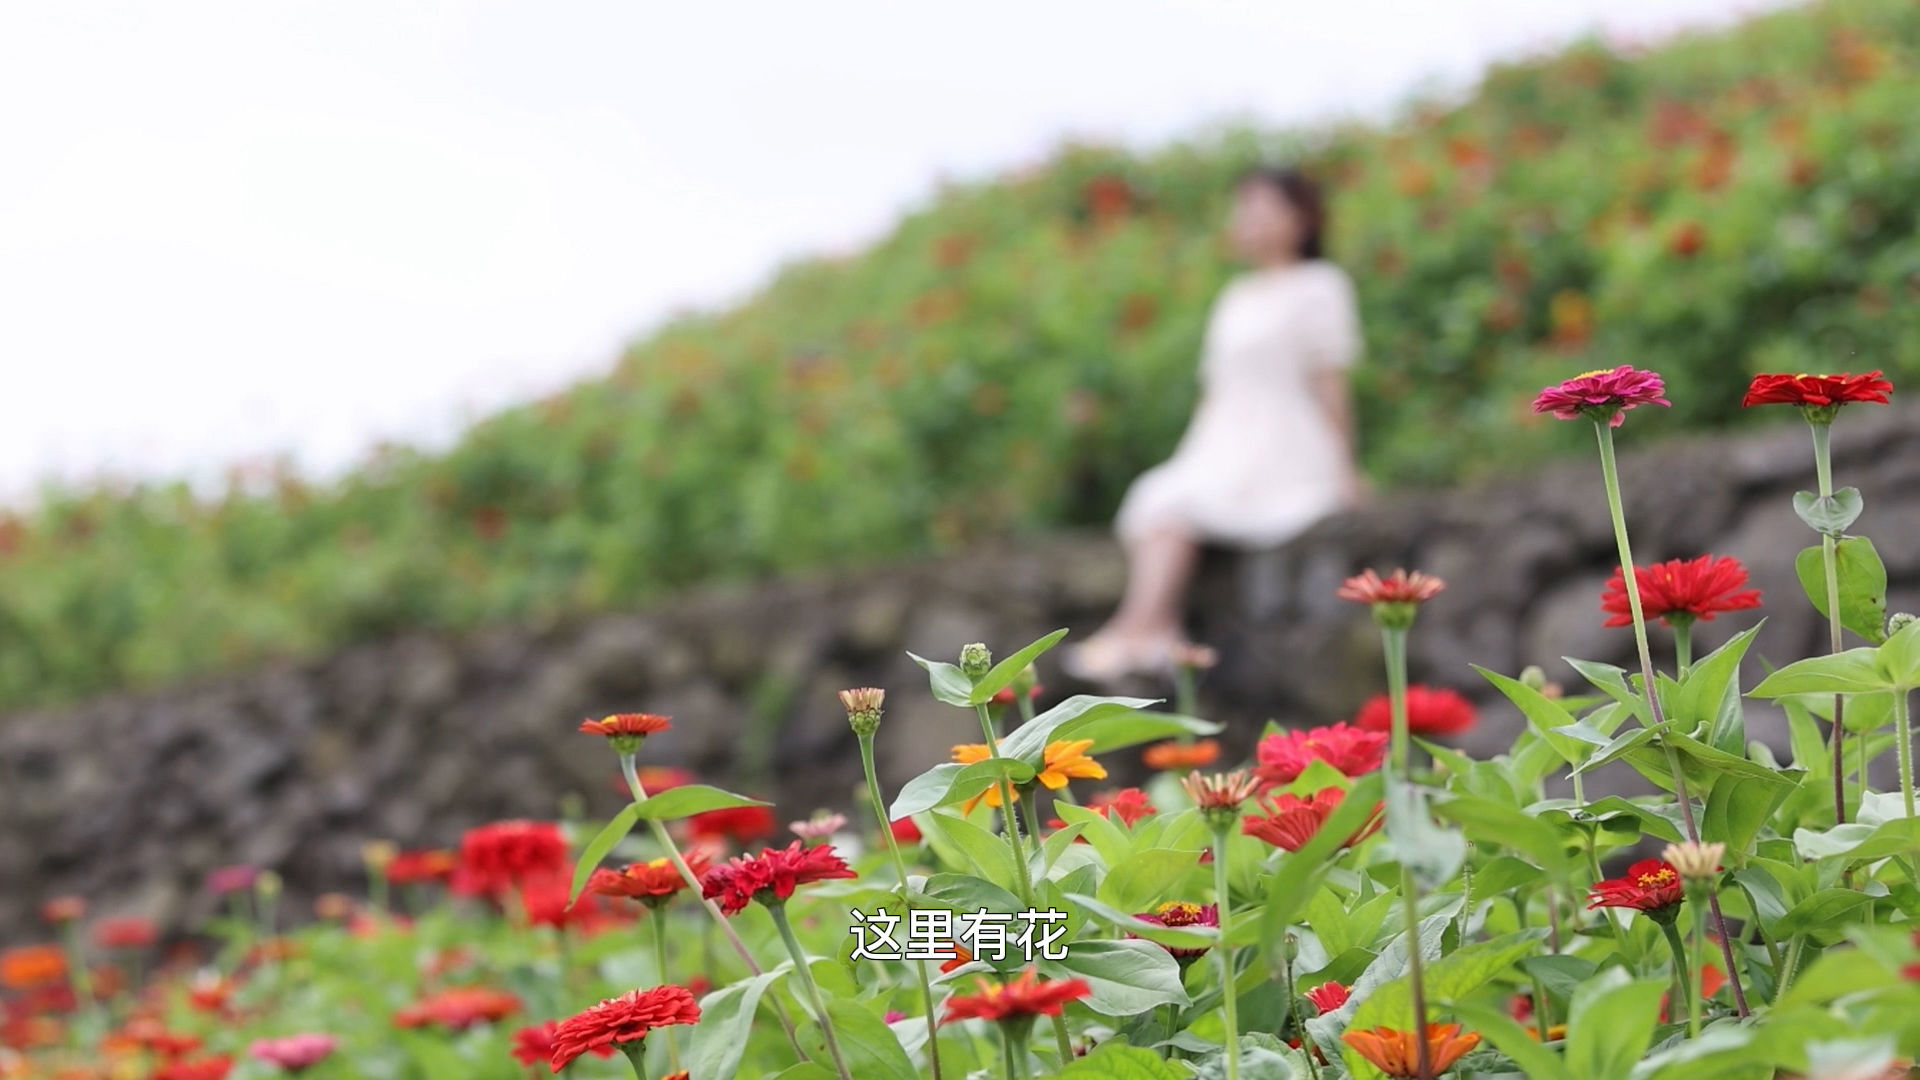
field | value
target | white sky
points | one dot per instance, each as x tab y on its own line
229	229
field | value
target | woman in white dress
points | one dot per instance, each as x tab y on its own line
1270	447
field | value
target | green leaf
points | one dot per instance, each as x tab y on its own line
1142	878
1855	671
1105	835
1560	974
1710	694
1899	659
603	842
1718	1052
1127	977
965	892
1431	853
1829	515
1503	874
1859	842
948	682
1119	731
1118	1061
1454	975
1180	937
1707	761
1029	741
951	782
1737	810
870	1047
1004	672
1863	585
726	1022
1535	1061
987	851
1489	822
806	1070
1611	1023
1613	681
690	799
1293	884
1543	714
1824	910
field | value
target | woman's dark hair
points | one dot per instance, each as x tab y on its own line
1304	196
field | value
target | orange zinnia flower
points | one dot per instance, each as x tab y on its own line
1395	1052
627	725
31	965
1068	760
970	753
1167	756
653	882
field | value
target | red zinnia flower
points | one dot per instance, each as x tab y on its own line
771	876
1430	711
1171	755
1397	1054
1005	695
905	831
1602	394
496	857
1651	885
1816	391
1023	997
130	932
63	909
459	1008
294	1053
535	1043
625	1019
1291	821
545	900
208	1068
627	725
418	867
1680	589
1328	996
652	882
1399	587
1182	913
741	824
1127	804
1284	755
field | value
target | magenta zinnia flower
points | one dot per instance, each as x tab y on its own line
1602	394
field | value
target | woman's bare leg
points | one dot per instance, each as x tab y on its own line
1159	565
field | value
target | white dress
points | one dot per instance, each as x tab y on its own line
1260	460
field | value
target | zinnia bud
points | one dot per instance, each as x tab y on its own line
1899	621
863	708
975	661
1694	860
378	854
267	885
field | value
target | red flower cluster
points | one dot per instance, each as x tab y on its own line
421	867
208	1068
1127	804
1284	755
494	858
458	1009
1816	391
1651	885
625	1019
905	831
130	932
771	876
1430	711
1603	393
1291	821
1680	589
545	901
653	883
740	824
1023	997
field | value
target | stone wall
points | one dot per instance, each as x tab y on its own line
131	800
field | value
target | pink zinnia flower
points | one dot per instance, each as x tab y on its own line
294	1053
1602	394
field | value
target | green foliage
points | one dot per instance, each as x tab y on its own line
1011	355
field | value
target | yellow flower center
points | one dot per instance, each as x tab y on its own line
1662	876
1591	374
1183	908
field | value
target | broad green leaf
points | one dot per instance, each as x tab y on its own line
948	682
965	892
1855	671
1613	681
1057	842
951	782
1560	974
1488	822
1704	762
1863	585
1827	909
1029	740
1118	1061
1618	747
870	1047
1841	973
1614	809
806	1070
1454	975
1292	885
1710	694
726	1022
1859	842
1180	937
1503	874
1326	914
1127	977
1136	882
603	842
1535	1061
1543	714
1829	515
670	805
1720	1051
1611	1023
986	851
1118	731
1432	854
1737	810
1105	835
1003	673
432	1056
1899	658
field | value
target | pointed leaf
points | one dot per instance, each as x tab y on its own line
1829	515
948	682
1004	672
1029	740
1863	584
603	842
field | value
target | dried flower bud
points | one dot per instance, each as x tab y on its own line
378	854
975	661
863	708
1695	861
1218	796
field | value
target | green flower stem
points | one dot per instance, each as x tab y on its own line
1785	974
665	840
1013	1048
1171	1012
1682	646
1394	642
657	915
1410	906
1007	814
1295	1001
636	1055
77	974
1619	932
1229	998
1185	702
1904	738
1699	953
779	913
1610	470
900	869
1541	1021
1682	983
1830	564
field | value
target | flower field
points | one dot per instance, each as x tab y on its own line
1016	352
1357	901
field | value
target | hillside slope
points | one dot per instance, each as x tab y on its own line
1010	356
